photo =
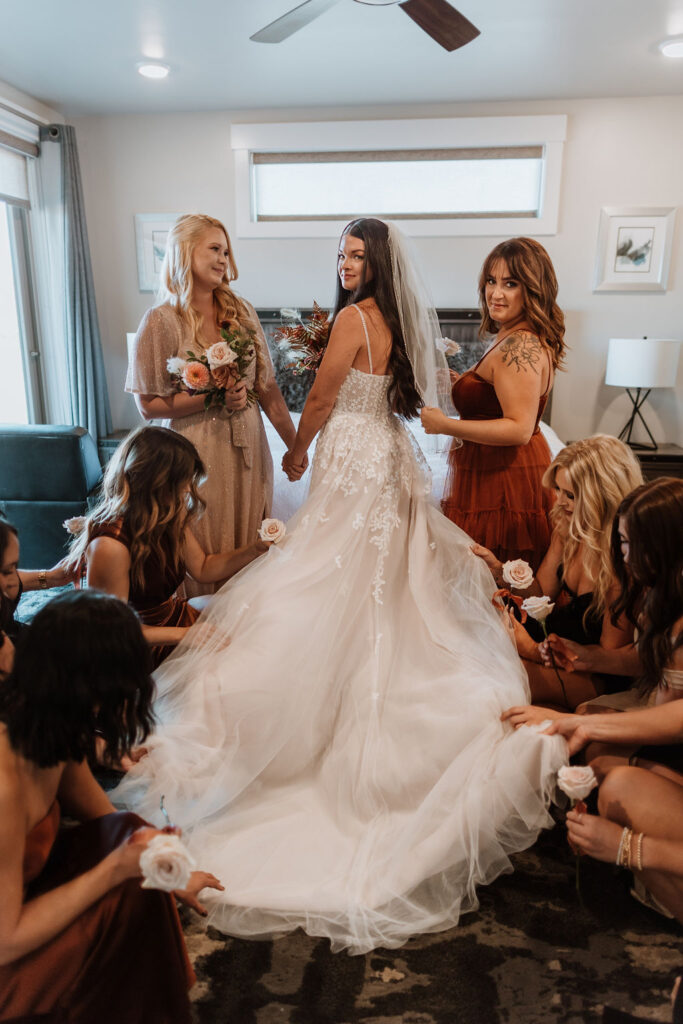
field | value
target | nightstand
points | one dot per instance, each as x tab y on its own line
666	461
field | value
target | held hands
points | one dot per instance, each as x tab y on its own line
236	396
433	420
294	470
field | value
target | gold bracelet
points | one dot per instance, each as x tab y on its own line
620	851
42	579
639	852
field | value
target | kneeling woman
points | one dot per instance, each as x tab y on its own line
138	542
80	941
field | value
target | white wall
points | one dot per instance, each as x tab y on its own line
625	152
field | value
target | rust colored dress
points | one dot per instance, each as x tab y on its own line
233	446
494	492
156	603
122	961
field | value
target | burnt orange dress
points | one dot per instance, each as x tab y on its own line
122	960
494	492
156	602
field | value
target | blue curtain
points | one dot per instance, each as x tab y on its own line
87	400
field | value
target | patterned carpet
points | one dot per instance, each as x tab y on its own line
531	955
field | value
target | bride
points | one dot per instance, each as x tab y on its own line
330	737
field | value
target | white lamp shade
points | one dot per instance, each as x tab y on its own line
642	362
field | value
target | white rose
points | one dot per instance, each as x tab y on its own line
166	864
518	574
176	364
576	781
447	346
220	354
290	314
538	608
74	525
272	530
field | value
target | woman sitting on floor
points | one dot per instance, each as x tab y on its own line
648	561
590	478
138	541
80	941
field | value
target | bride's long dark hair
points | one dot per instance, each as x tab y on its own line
404	398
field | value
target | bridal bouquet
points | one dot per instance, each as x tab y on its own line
306	341
222	366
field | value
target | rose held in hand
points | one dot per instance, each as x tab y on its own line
272	530
220	354
538	608
576	781
518	574
166	864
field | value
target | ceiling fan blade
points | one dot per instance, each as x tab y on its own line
448	27
291	22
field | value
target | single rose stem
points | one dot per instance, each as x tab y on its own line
552	658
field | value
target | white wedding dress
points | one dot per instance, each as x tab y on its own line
341	764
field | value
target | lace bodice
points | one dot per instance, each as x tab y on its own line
363	393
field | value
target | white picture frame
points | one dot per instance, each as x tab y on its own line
151	230
634	248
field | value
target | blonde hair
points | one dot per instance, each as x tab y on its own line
177	282
152	484
602	471
530	264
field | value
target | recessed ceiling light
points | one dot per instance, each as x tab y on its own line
672	47
156	70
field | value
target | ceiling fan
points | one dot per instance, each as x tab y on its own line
438	18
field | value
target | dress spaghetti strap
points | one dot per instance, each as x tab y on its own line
367	337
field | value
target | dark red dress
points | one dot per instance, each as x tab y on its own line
122	961
156	602
494	492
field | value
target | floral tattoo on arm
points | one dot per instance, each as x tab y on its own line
522	351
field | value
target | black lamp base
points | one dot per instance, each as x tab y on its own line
637	400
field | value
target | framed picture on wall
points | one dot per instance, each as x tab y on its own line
151	230
634	248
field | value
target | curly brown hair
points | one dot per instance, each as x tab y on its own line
652	579
152	483
529	263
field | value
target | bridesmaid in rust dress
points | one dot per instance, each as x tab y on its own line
496	465
139	542
80	940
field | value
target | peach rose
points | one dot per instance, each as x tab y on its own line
220	354
518	574
223	376
272	530
576	781
538	608
166	864
196	376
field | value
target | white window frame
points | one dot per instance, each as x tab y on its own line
548	131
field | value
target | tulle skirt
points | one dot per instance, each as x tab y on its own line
330	736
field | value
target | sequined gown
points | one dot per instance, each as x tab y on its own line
342	765
239	485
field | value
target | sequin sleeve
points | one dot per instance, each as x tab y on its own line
159	337
266	371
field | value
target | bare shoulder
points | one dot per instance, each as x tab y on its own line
524	352
109	549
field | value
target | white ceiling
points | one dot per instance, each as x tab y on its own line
80	55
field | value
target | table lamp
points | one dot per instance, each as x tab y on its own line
640	364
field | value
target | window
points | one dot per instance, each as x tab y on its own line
460	176
20	388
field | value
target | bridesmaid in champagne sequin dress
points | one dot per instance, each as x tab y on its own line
496	464
195	298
